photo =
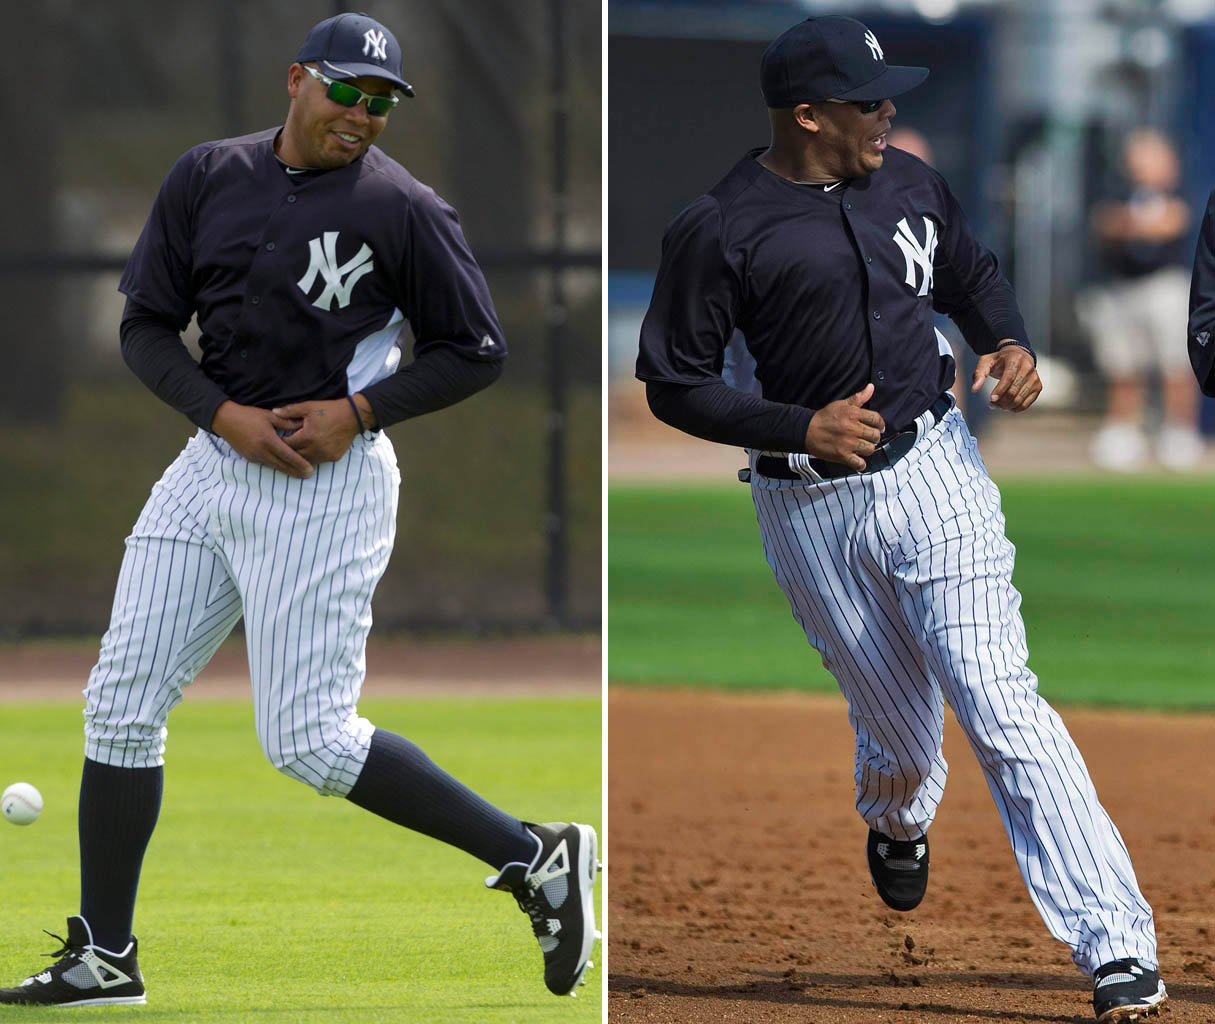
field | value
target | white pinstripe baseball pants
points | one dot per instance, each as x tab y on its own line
902	580
220	537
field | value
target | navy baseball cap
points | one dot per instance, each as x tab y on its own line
355	46
830	58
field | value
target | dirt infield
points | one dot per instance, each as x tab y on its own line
509	667
739	891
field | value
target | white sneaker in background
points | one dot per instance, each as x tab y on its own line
1119	447
1179	448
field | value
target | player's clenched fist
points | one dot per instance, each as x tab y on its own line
845	431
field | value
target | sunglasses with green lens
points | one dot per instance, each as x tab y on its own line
347	95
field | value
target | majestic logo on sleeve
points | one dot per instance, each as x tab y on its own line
375	44
339	280
872	43
918	255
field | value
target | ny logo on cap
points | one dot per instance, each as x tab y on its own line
872	43
918	255
375	44
339	279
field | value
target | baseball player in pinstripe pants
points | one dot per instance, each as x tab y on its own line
830	252
302	251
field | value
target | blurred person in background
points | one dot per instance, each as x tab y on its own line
1137	316
911	141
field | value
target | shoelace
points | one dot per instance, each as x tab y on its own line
66	948
529	902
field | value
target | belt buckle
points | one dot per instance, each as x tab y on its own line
883	453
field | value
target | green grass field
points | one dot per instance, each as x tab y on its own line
261	901
1117	578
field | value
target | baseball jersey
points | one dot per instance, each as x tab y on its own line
831	287
1202	303
302	284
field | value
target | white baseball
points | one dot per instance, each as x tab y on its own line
21	803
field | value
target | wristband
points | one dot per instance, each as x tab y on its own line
358	416
1019	344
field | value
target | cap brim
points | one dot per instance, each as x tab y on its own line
894	81
343	71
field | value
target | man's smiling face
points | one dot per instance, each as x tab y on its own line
323	134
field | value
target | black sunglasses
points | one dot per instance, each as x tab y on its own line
867	106
348	96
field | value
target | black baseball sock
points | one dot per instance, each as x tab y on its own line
402	784
118	811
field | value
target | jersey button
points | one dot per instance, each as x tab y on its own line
868	259
291	199
847	206
244	353
270	247
256	300
881	375
877	315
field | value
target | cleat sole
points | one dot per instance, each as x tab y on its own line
1130	1014
115	1001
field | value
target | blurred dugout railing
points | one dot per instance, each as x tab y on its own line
500	502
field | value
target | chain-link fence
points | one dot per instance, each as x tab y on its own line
500	504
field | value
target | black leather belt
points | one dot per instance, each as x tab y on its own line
887	455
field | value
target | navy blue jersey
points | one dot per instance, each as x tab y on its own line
1202	303
302	284
831	287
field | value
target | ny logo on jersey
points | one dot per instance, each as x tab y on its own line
918	255
872	43
339	280
375	44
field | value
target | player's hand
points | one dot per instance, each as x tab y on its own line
1013	367
253	434
845	431
323	431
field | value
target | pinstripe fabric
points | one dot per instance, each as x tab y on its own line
902	580
220	537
